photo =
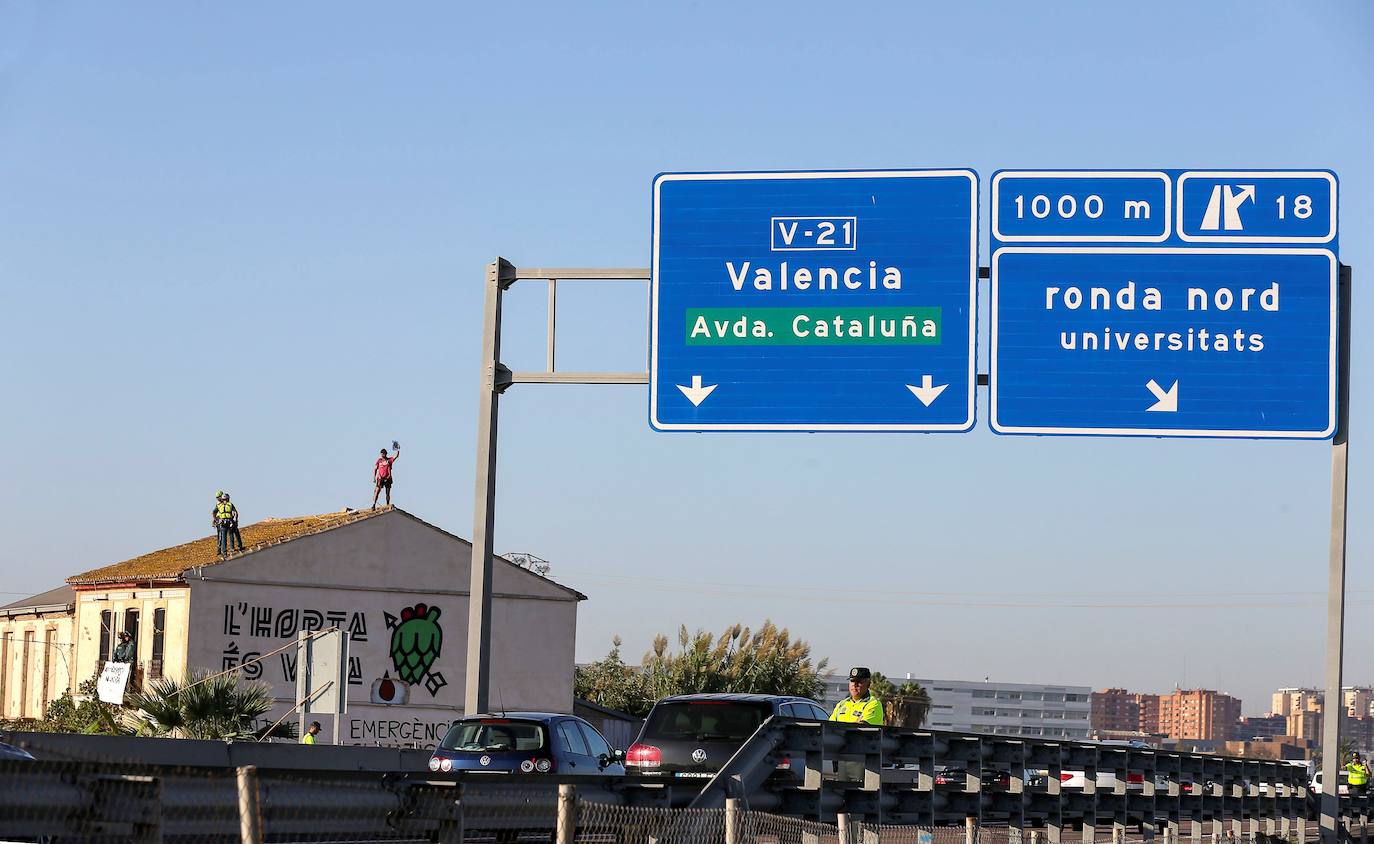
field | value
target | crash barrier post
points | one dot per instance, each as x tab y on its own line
250	805
567	810
732	820
842	828
970	830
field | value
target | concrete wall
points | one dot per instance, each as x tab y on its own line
363	577
36	659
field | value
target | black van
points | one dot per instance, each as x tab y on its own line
695	735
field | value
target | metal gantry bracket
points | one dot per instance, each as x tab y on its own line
553	275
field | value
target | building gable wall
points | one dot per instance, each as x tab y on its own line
363	578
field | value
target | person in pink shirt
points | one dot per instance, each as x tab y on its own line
382	474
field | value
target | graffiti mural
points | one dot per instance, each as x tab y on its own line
265	623
416	641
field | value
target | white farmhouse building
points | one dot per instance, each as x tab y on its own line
366	572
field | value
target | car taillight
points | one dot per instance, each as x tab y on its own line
643	756
1135	779
1065	776
785	764
527	766
446	765
543	766
433	764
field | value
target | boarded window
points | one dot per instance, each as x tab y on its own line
4	673
24	677
159	641
48	636
106	619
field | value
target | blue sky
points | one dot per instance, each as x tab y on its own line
242	247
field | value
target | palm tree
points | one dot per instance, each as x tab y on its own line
203	706
906	705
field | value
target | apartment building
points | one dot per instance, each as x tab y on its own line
1114	711
1302	710
1198	714
1148	707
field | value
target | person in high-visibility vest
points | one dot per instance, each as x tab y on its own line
1357	774
225	517
309	737
862	706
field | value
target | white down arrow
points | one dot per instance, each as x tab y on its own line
928	391
696	394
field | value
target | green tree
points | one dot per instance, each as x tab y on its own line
611	683
80	713
768	661
203	706
906	705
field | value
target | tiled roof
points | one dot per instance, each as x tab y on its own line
51	598
171	562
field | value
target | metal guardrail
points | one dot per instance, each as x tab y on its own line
888	776
878	777
85	802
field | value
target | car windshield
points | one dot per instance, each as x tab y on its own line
706	720
494	735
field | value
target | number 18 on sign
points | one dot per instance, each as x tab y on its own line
826	301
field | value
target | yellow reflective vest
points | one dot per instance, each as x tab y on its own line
1357	775
866	710
307	739
224	511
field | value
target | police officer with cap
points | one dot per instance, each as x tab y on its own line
862	707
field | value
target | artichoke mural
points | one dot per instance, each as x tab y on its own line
416	640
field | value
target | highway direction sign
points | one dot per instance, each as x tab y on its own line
818	301
1218	319
1257	207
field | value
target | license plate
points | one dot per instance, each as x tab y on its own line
696	774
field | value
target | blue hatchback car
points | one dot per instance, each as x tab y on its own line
526	743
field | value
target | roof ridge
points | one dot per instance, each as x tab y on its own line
173	561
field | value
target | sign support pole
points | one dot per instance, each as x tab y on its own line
500	275
493	379
1333	704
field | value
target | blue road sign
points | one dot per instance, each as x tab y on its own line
1056	206
1164	303
823	301
1257	207
1200	342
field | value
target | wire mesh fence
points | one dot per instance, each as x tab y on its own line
601	823
765	828
870	833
